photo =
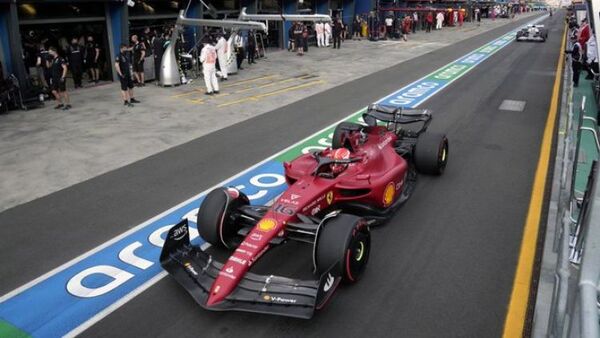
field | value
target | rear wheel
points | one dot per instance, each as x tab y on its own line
216	221
431	154
345	240
340	130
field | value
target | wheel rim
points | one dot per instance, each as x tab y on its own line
443	156
360	250
357	255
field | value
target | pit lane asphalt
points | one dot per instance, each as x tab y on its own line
443	266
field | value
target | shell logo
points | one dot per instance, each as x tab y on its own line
267	298
266	224
388	194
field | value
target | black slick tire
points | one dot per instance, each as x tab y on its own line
431	154
215	219
344	240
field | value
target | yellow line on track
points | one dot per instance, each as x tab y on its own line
280	91
271	84
196	101
519	298
225	86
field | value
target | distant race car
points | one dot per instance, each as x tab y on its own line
333	198
533	33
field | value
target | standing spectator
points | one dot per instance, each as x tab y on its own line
292	38
327	29
439	20
58	80
76	62
92	53
305	39
123	68
356	28
43	61
592	58
406	24
429	20
576	60
146	39
319	30
344	30
298	30
208	57
238	42
222	51
583	34
158	49
373	24
478	15
455	17
139	53
415	22
337	33
251	47
389	22
461	17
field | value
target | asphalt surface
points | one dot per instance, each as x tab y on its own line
442	267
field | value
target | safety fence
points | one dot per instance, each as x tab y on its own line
575	304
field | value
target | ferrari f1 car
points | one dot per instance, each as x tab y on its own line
533	33
333	198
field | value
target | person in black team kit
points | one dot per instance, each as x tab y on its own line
76	62
158	49
251	47
92	53
43	61
139	53
123	66
337	33
58	72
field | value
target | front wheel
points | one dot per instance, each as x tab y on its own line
344	240
431	154
216	222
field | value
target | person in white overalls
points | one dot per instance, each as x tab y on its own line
222	51
327	29
208	57
319	28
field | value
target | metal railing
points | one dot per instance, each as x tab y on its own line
575	308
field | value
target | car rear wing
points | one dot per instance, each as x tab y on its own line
196	271
396	116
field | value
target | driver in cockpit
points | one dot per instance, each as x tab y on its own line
339	154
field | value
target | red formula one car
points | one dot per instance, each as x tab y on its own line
333	198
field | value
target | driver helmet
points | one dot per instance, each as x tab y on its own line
339	154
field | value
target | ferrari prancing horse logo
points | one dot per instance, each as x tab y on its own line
329	197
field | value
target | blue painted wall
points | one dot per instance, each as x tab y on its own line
250	6
364	6
348	6
322	6
289	7
120	32
4	40
194	12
